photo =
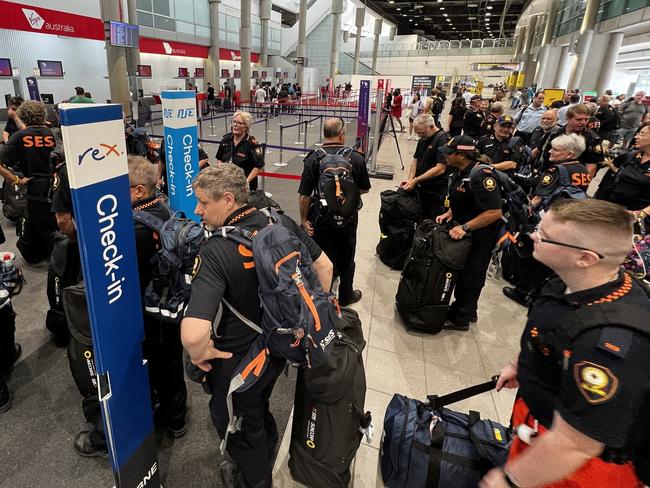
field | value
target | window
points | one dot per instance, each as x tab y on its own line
144	5
161	7
202	31
145	19
164	23
184	11
232	24
184	27
202	12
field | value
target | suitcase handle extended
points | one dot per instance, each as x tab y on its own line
436	402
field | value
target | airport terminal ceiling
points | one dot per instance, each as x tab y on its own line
452	19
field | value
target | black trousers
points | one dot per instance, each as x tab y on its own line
252	448
431	201
471	278
531	275
36	242
340	246
164	353
7	337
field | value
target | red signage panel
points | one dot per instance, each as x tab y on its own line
172	48
234	55
41	20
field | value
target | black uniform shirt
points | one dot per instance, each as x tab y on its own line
488	127
473	123
427	156
593	154
608	118
11	127
467	202
147	242
28	151
311	171
248	154
223	270
457	116
499	151
539	138
604	391
578	176
630	186
61	196
211	93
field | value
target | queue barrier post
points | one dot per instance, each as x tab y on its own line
281	163
225	124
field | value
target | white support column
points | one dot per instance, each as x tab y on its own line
245	48
584	43
358	22
337	10
302	41
265	16
542	64
118	80
212	71
375	46
609	62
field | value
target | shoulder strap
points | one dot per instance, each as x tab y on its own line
436	138
563	174
437	402
148	219
236	313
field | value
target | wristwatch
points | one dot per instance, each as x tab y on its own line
465	228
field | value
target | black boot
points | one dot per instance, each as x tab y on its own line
5	396
85	448
517	295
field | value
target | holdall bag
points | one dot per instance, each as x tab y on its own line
427	446
399	214
429	276
328	417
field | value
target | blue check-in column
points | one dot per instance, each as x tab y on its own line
181	149
95	150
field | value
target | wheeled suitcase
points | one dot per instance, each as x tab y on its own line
399	214
429	276
425	445
329	419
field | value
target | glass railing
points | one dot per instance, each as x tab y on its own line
615	8
444	48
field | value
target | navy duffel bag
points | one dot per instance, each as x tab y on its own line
427	446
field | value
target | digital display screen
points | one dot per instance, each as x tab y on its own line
50	68
5	67
225	73
183	73
199	72
144	70
124	35
237	73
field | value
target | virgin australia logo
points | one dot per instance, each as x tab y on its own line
34	19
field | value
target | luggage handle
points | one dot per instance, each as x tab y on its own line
436	402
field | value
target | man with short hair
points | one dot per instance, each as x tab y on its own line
474	118
583	369
562	112
427	171
223	271
338	242
609	120
529	116
260	96
540	136
14	124
577	119
80	96
632	113
505	151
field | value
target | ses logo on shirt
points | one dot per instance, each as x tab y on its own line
100	153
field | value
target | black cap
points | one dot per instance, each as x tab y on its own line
505	119
476	97
459	144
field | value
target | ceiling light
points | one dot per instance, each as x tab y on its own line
403	15
449	20
442	8
487	14
410	20
472	5
391	1
489	7
445	15
398	8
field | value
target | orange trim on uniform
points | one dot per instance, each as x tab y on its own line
621	292
595	473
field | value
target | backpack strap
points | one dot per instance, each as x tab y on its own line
149	220
236	313
563	174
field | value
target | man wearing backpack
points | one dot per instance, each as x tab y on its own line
427	171
337	237
224	270
583	370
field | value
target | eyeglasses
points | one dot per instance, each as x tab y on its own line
237	122
535	236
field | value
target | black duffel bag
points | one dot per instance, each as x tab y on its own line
427	446
329	419
399	214
429	276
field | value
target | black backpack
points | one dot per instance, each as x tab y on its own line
137	141
338	198
398	216
329	417
438	105
180	239
429	276
564	190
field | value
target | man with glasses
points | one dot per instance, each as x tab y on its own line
583	370
339	243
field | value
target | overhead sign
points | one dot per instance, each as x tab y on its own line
234	55
16	16
172	48
181	148
97	168
426	82
495	66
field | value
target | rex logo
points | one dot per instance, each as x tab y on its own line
99	153
34	19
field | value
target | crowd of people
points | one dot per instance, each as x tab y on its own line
573	383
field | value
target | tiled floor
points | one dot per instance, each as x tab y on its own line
416	364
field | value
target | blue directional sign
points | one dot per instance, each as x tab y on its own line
181	149
95	150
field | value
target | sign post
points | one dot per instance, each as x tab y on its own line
96	153
181	149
